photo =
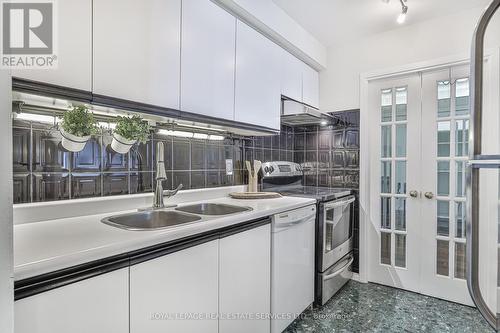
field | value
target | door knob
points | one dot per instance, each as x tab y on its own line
429	195
413	194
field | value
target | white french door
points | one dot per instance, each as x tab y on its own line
394	174
418	154
445	136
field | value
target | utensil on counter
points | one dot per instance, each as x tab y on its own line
256	168
253	175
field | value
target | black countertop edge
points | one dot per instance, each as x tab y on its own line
48	281
50	90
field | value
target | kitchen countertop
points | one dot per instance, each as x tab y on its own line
47	246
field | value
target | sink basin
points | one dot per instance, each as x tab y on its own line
150	220
213	209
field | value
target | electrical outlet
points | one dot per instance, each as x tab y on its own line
229	167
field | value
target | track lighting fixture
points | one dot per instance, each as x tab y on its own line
404	10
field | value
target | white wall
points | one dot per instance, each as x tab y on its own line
6	271
433	39
274	22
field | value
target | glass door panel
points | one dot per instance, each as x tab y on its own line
445	97
394	173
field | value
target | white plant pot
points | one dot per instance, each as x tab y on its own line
120	144
72	142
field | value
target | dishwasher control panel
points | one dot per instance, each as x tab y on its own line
295	215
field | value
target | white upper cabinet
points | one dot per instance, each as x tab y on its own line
258	83
74	48
291	76
245	283
310	86
207	59
137	50
98	305
180	283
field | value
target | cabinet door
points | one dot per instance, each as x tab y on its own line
208	55
74	50
291	76
245	280
310	86
137	50
258	88
165	290
98	305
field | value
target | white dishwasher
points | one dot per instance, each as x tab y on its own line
292	271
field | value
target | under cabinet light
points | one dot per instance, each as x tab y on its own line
216	137
36	117
107	125
200	136
183	134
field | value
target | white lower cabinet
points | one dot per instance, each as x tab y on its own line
219	286
176	292
245	281
97	305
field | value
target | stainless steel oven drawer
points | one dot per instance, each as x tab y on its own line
334	278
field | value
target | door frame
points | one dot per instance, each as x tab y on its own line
367	119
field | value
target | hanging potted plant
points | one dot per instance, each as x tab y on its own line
77	126
128	131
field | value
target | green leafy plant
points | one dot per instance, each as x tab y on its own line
79	121
133	128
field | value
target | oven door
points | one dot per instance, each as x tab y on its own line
337	231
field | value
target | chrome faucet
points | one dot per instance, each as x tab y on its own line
161	175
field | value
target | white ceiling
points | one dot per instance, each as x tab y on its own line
338	21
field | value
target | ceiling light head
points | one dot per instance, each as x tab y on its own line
401	18
404	10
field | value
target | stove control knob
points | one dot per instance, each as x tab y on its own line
272	169
266	169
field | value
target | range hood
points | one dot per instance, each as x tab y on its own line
294	113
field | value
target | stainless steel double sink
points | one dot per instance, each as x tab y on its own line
162	219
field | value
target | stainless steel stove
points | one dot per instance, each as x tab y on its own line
334	242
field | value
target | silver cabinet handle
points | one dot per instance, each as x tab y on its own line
414	194
340	270
472	174
429	195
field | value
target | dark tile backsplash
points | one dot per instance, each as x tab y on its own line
44	171
330	154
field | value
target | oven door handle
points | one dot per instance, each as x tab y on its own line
339	203
340	270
